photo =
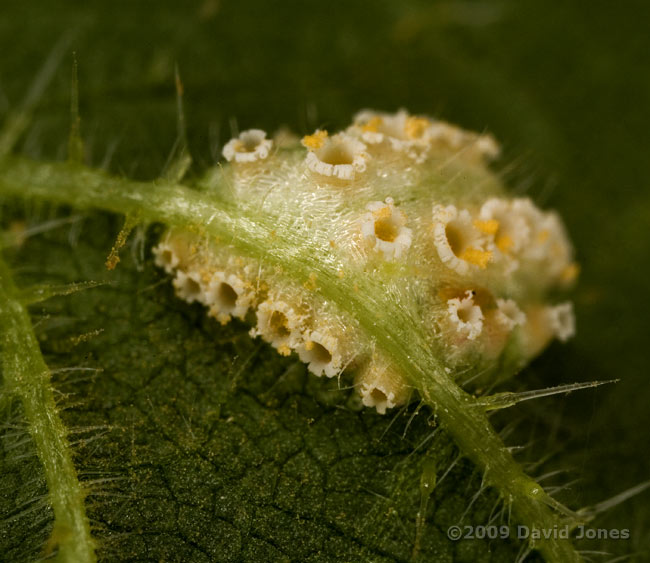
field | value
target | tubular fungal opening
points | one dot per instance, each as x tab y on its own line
226	297
166	259
512	232
509	314
381	386
278	324
249	146
377	396
459	243
336	154
384	228
317	354
465	316
340	156
563	321
188	286
321	354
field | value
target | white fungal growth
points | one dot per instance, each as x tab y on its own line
545	322
321	352
341	156
416	135
487	146
403	133
400	129
457	263
558	252
228	296
542	227
374	127
543	239
384	229
188	286
174	250
512	231
537	227
250	146
280	324
165	257
509	315
460	244
465	316
381	387
562	321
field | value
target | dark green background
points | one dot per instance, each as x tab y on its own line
564	86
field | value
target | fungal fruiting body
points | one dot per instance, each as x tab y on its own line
397	208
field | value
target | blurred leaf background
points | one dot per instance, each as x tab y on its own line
564	86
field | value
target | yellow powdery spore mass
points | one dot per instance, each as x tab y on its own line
401	211
316	140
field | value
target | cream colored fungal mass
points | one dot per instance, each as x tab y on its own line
398	206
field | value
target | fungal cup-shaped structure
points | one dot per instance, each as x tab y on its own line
228	296
508	314
465	316
461	242
250	146
280	324
188	286
381	386
321	352
341	156
384	229
397	222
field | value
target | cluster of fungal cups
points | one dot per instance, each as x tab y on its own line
401	205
